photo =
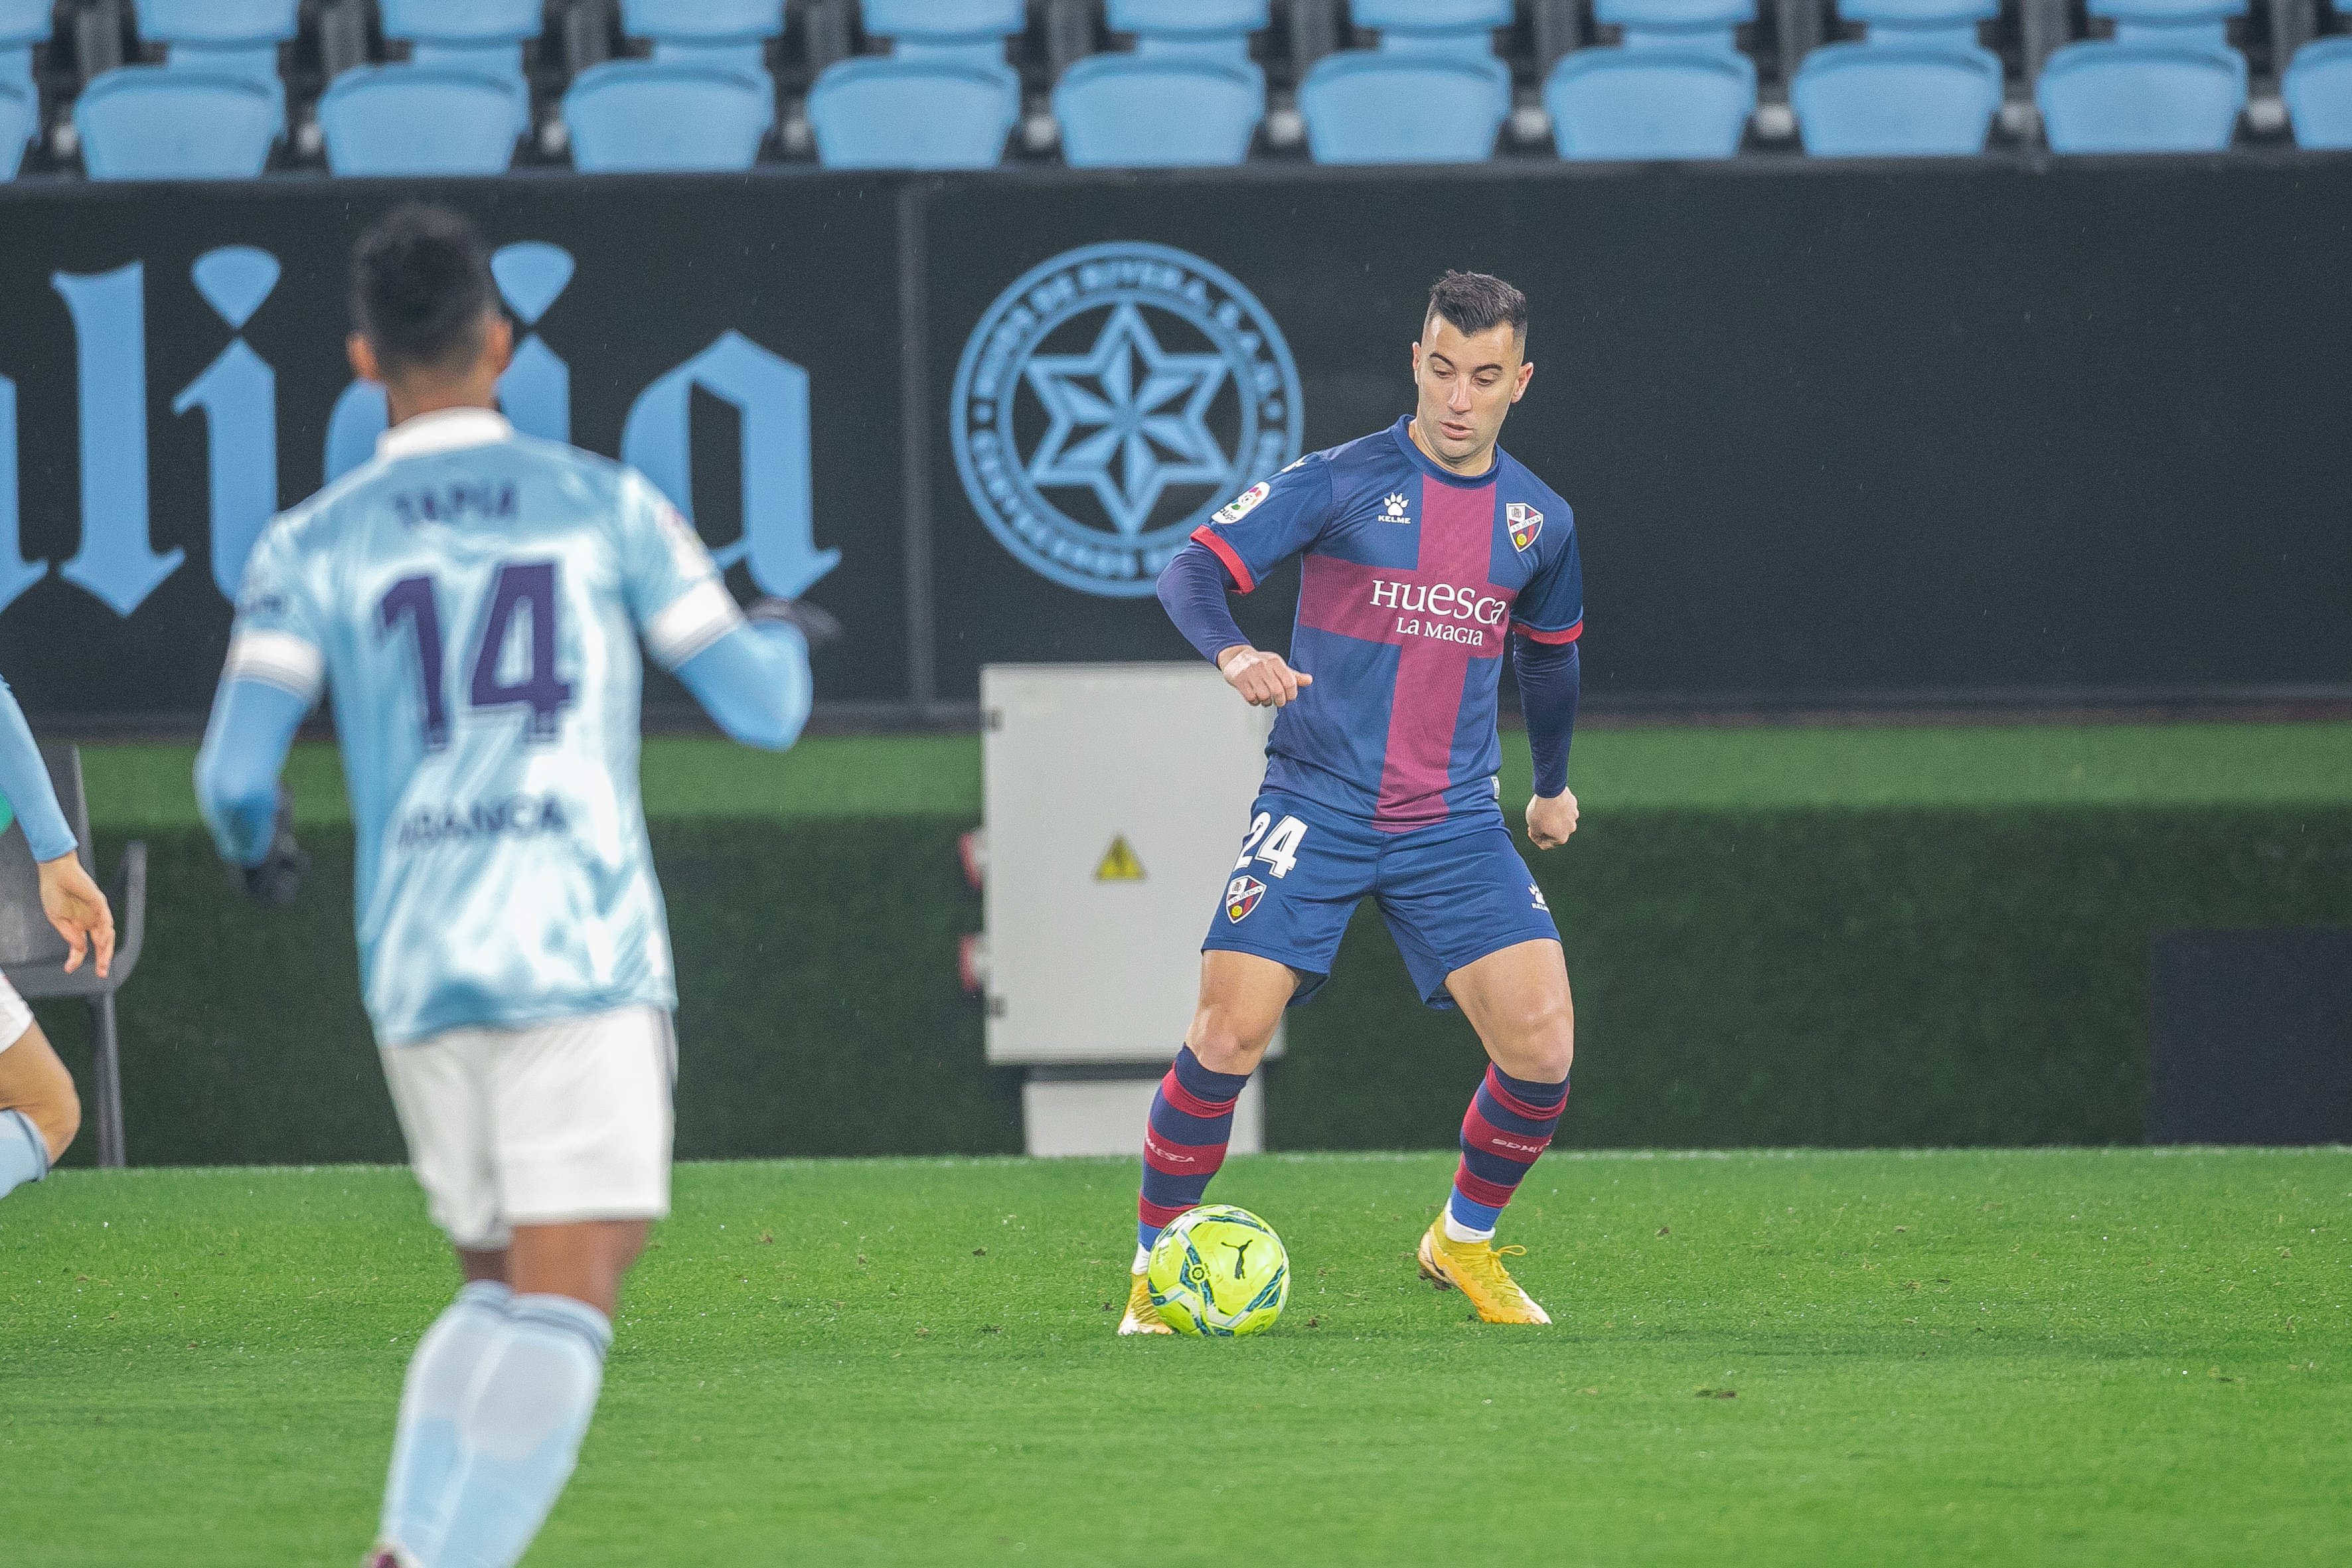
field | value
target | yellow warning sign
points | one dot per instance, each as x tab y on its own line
1118	863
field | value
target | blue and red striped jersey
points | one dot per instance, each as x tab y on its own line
1413	577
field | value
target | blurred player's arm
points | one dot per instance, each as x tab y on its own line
753	680
269	686
751	673
1548	683
1266	525
69	897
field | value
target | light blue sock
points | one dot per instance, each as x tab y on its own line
24	1156
424	1449
518	1435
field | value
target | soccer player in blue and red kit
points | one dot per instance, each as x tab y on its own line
1427	547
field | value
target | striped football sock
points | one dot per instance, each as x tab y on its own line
1510	1124
1192	1122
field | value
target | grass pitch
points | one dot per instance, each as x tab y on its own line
2121	1356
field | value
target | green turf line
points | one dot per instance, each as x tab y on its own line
136	786
2026	1358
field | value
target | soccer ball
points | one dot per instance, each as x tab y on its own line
1219	1271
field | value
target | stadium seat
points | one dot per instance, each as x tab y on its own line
1678	86
421	120
2318	91
642	116
1190	95
1919	83
1434	93
944	99
146	122
17	115
481	36
223	37
727	33
23	24
2167	82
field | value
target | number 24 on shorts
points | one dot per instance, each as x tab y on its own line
1280	850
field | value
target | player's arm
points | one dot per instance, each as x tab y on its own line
259	707
753	680
1265	526
1548	620
276	670
1548	681
751	673
69	897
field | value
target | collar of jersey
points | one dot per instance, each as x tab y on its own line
1402	431
443	430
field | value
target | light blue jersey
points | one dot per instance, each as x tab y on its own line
474	600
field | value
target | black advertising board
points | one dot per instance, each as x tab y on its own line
736	338
1950	430
1867	432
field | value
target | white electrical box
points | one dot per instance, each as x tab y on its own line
1115	798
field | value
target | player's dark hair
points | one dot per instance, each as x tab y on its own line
421	288
1477	302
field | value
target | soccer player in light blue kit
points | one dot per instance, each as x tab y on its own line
40	1112
473	599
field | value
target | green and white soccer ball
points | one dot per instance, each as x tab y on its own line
1219	1271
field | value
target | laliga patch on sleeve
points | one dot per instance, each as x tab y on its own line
1244	504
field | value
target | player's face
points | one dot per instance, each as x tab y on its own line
1468	384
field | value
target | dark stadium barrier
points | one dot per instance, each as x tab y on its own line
1852	434
2250	1037
1836	978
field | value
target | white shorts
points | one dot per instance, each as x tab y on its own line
14	1017
544	1125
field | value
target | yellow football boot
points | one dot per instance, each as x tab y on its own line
1476	1268
1142	1317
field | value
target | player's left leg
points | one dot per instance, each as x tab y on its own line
40	1112
1474	933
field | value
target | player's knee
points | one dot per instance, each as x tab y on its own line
55	1112
1226	1042
1543	1040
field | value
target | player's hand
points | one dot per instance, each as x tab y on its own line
278	875
79	911
815	626
1549	822
1265	679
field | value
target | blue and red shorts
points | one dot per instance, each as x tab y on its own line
1452	892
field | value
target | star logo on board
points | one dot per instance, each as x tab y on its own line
1394	510
1129	419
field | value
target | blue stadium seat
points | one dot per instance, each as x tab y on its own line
421	120
944	97
483	36
2317	88
1190	95
1919	83
143	122
23	24
2167	82
1678	86
1434	93
223	37
727	34
18	117
643	116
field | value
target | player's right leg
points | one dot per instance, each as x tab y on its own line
1270	944
40	1112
